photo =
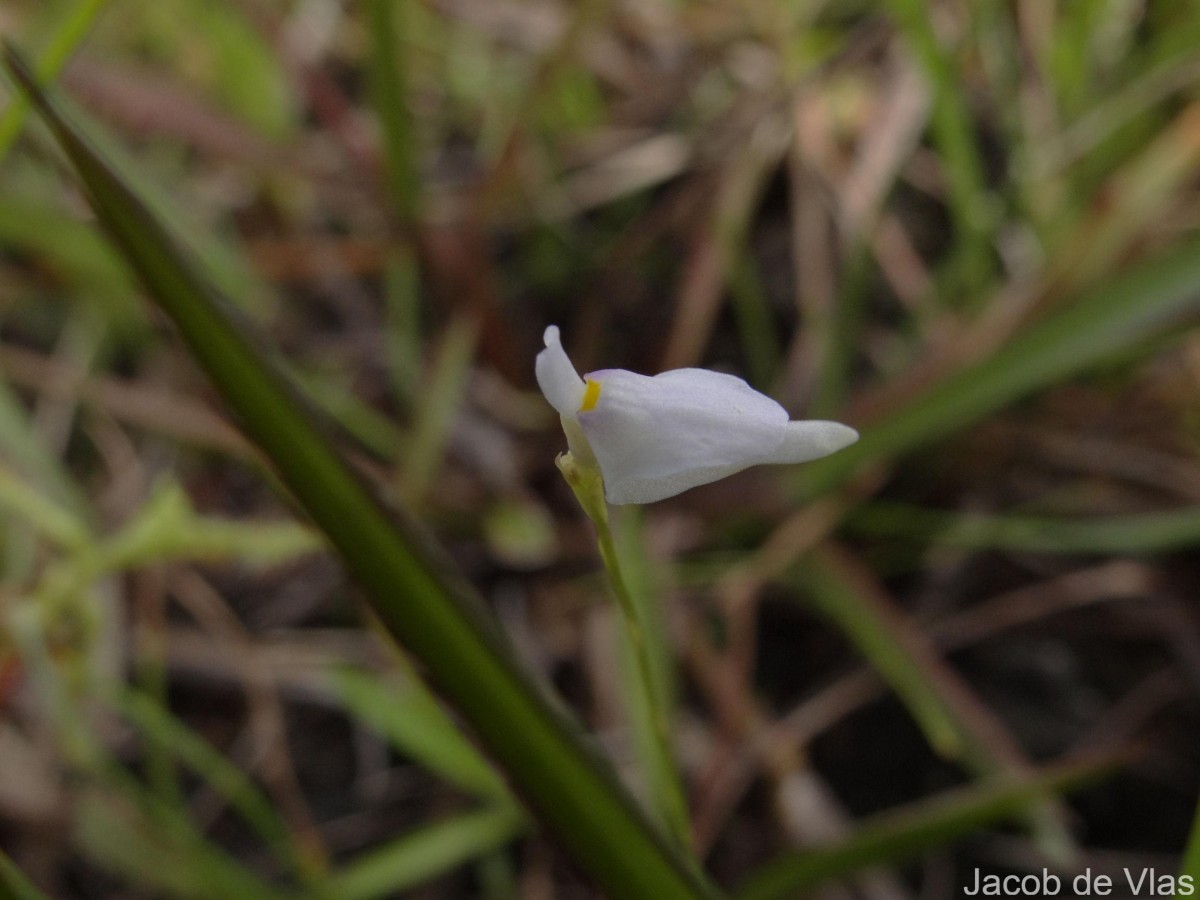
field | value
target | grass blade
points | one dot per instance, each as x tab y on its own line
156	845
899	651
1147	533
637	570
420	599
67	37
956	724
162	729
411	720
1190	867
389	84
970	204
1098	325
442	398
20	499
32	460
13	883
427	853
903	833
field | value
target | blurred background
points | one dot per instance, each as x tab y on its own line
967	229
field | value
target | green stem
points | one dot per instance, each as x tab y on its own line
662	775
649	707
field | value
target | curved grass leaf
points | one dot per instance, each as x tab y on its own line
420	599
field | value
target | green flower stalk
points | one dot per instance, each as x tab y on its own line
639	439
662	776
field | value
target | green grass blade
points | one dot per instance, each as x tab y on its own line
21	445
970	203
652	723
1098	325
389	88
840	330
375	432
752	309
442	399
888	644
248	77
411	720
69	34
414	591
1147	533
155	845
402	286
224	259
162	729
427	853
166	528
13	883
20	499
390	24
903	833
36	486
1190	867
31	222
955	724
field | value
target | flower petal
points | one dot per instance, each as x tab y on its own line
556	376
632	488
804	441
655	437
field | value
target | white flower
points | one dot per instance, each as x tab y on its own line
654	437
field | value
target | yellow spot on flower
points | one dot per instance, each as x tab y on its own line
591	394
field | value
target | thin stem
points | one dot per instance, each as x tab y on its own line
649	706
662	775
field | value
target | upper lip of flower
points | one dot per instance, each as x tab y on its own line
654	437
557	377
